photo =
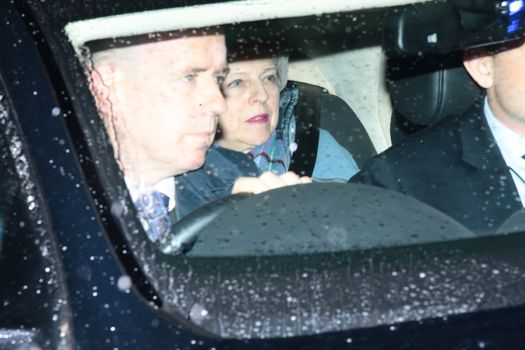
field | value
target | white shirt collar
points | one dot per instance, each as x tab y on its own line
512	147
166	186
510	143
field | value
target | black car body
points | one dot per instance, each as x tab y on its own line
74	275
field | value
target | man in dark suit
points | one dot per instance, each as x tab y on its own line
469	167
159	97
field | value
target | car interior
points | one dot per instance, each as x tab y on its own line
421	92
317	108
427	89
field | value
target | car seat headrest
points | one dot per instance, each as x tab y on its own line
426	89
317	108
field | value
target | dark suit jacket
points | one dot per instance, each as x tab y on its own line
455	166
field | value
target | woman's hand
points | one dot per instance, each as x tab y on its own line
267	181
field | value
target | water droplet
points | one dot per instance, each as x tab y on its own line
124	283
198	313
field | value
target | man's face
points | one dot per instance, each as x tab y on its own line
507	94
503	76
166	100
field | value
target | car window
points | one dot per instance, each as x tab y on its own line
297	260
34	300
209	182
8	187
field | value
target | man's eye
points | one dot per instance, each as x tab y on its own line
234	83
188	77
220	80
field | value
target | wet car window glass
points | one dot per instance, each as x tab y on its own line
9	186
34	307
313	114
288	251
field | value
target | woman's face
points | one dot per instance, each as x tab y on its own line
252	100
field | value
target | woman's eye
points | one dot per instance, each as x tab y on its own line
271	78
234	83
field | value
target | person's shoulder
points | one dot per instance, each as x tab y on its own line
206	174
451	124
229	164
217	152
438	146
443	135
333	160
326	139
438	143
426	149
230	160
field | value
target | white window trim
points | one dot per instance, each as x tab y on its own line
80	32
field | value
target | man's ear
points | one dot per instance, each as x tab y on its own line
480	66
104	82
102	79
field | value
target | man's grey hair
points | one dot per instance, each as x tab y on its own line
281	65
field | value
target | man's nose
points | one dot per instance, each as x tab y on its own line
213	99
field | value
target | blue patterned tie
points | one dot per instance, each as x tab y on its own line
154	214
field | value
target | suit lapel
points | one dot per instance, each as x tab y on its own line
480	151
478	144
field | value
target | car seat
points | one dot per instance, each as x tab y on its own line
426	89
317	108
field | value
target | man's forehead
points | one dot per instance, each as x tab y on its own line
188	53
